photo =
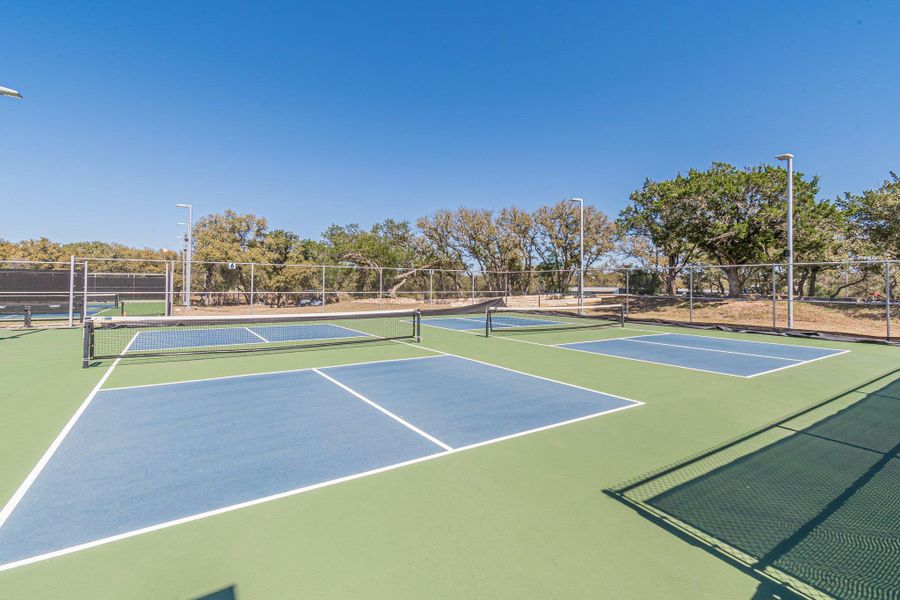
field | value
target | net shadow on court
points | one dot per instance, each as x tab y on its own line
809	502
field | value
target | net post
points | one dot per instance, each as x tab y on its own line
28	316
887	299
87	343
417	325
71	289
622	314
487	321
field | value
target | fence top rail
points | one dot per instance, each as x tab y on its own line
469	272
15	261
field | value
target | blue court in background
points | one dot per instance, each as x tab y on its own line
147	455
477	323
174	338
726	356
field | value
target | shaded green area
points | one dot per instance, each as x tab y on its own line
524	518
811	500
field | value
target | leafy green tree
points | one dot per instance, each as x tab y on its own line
557	243
226	238
661	213
737	216
875	218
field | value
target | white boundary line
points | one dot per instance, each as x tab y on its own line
315	486
385	411
837	353
649	362
48	454
365	362
257	335
572	385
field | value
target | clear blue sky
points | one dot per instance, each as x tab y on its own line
316	113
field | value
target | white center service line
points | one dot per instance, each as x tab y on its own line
385	411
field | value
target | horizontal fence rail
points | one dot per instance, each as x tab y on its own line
854	298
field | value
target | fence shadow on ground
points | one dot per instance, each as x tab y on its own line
808	503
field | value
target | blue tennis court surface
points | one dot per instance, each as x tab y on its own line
477	323
173	338
717	355
145	456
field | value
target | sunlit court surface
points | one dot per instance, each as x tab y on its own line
450	301
494	439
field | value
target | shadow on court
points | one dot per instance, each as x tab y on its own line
228	593
809	502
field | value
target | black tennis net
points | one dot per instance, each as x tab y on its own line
510	319
124	337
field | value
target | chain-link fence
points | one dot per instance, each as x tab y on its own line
855	298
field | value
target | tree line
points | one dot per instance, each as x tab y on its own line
722	215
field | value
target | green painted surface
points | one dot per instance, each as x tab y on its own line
524	518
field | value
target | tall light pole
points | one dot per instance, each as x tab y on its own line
790	237
190	246
580	202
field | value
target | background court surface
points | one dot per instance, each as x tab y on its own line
523	517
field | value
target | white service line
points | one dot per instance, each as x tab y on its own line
794	360
385	411
257	335
48	454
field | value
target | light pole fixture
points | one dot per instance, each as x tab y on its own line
580	202
189	241
5	91
790	236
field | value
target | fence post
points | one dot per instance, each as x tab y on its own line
774	299
887	298
381	287
252	285
430	286
691	294
323	286
473	287
627	289
71	288
84	299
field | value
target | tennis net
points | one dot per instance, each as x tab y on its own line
507	319
124	337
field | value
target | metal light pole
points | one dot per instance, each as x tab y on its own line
190	246
790	237
4	91
580	202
